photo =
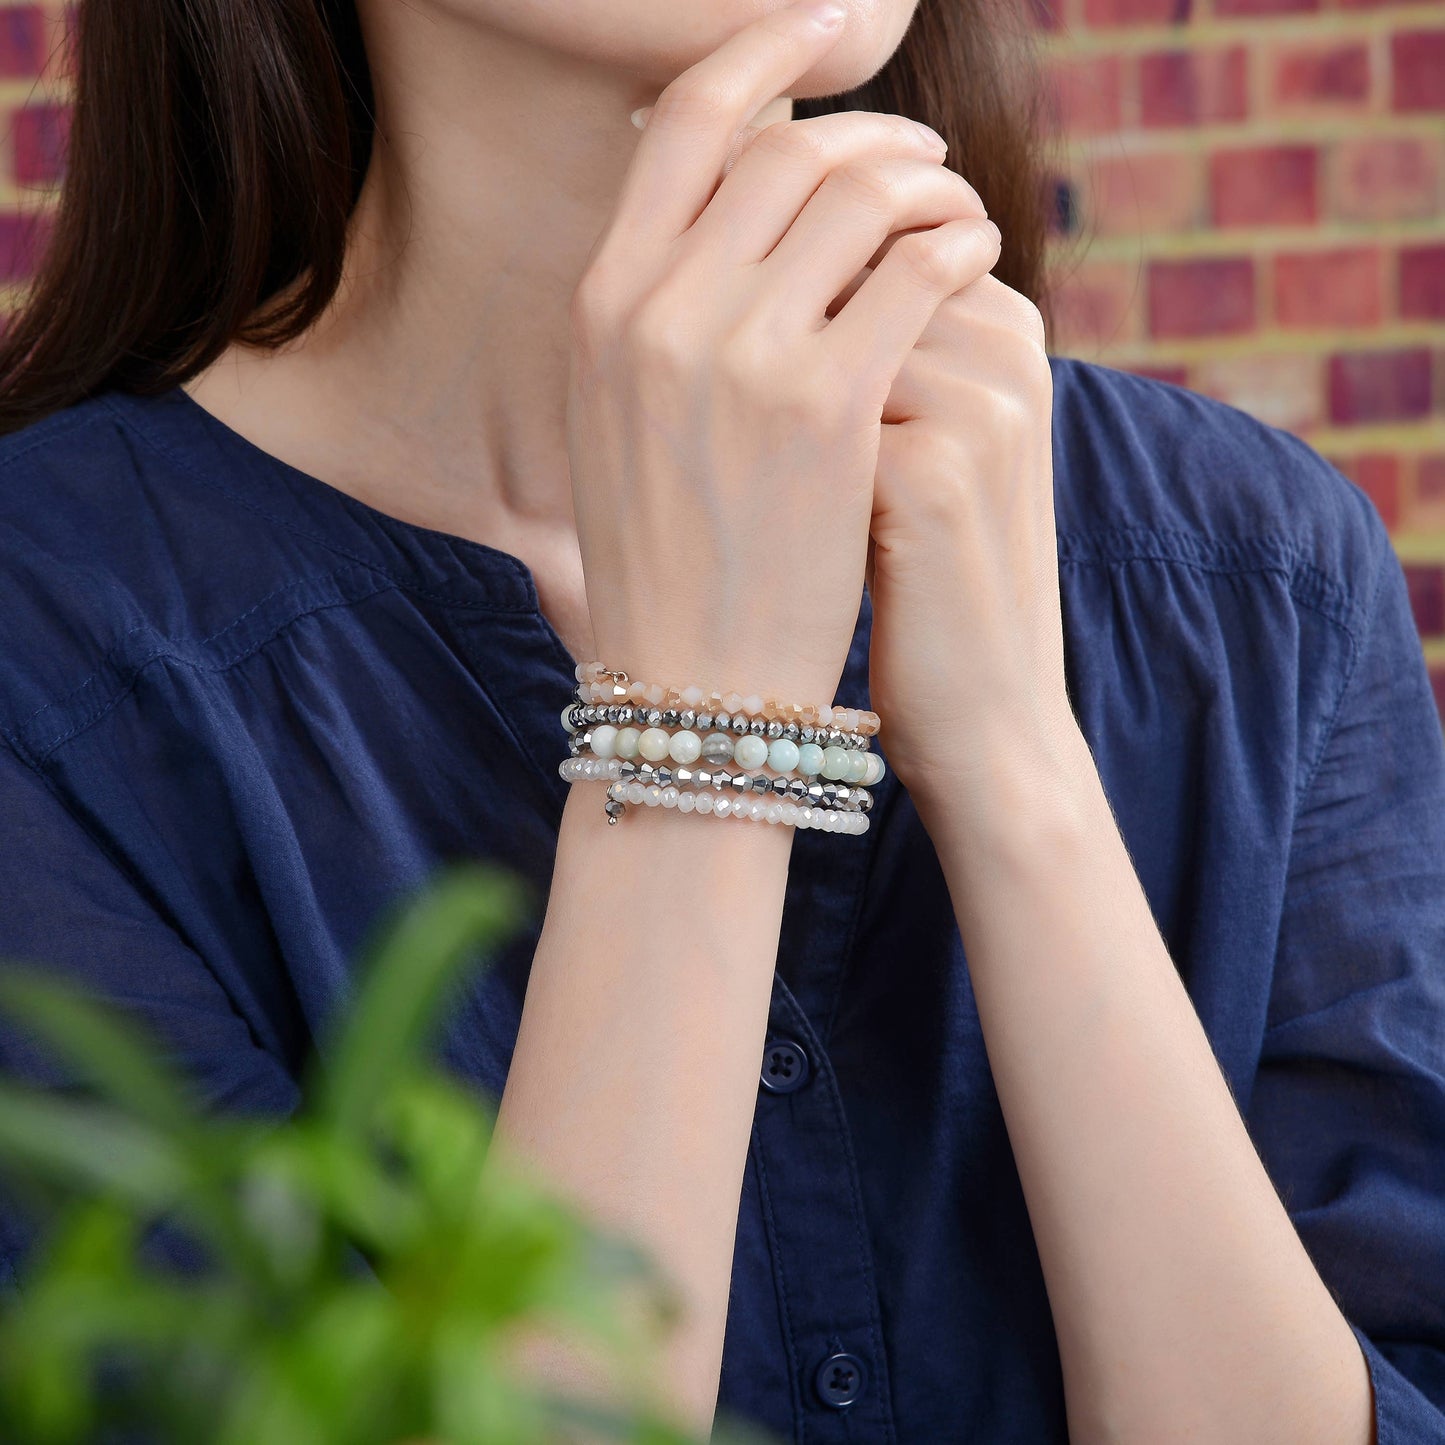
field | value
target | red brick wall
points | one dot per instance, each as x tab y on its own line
1252	204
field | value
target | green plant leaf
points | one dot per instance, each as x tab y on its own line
107	1046
405	976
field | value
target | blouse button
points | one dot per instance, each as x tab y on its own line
785	1067
839	1380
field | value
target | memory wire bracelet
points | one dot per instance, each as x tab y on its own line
827	741
793	801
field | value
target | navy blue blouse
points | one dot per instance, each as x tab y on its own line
243	712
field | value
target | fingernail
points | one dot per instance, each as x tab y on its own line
997	234
828	12
928	133
640	115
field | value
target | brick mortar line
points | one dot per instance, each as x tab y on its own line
1257	32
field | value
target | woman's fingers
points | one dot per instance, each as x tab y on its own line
850	217
783	166
888	313
694	123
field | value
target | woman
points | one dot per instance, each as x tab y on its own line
1100	1091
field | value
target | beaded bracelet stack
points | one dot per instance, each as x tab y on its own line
821	766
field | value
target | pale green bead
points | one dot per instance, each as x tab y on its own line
653	744
857	766
604	736
684	746
567	717
750	751
835	762
626	744
782	755
810	760
876	769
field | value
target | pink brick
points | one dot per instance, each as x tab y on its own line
1310	77
1377	474
1263	7
1136	12
1430	477
1182	87
1386	179
1095	306
23	41
1206	296
40	133
1422	282
1285	389
1264	186
1084	95
1418	60
23	236
1378	386
1154	194
1342	287
1426	585
1176	375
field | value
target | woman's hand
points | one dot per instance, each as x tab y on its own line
723	434
966	667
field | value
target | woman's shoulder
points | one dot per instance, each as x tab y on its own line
112	552
1148	468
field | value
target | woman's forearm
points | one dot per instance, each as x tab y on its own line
635	1075
1185	1304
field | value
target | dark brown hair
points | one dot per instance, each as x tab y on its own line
217	147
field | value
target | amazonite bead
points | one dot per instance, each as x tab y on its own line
653	744
751	751
835	762
717	748
876	768
810	760
857	766
626	744
684	746
782	755
604	737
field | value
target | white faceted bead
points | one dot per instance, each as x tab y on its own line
790	813
751	751
753	704
805	815
653	744
635	792
652	794
686	800
782	755
684	746
835	762
670	796
691	696
626	744
704	801
604	735
722	805
774	813
757	807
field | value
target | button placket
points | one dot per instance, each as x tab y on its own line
817	1231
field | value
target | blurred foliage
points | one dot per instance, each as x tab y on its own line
357	1276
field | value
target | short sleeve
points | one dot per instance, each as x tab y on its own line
69	907
1348	1106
